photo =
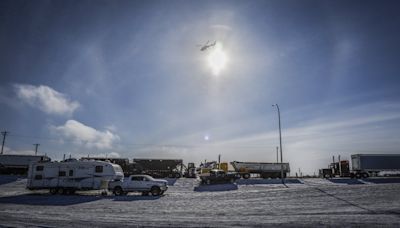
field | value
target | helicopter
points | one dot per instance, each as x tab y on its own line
206	45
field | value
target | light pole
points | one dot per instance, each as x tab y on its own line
280	139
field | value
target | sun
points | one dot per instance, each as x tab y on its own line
217	59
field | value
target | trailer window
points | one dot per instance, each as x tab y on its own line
99	169
39	168
38	177
61	174
71	172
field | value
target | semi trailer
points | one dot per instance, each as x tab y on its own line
263	169
159	168
366	165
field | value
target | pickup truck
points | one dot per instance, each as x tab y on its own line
138	183
219	176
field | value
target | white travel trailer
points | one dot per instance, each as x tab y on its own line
70	175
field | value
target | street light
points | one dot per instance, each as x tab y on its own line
280	139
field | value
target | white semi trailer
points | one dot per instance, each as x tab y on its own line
70	175
366	165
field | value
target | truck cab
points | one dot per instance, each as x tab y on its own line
219	176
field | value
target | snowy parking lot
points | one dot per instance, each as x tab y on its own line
248	203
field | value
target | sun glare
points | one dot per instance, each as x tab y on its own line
217	60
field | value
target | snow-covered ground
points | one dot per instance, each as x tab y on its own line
248	203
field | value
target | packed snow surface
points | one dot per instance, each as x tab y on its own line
247	203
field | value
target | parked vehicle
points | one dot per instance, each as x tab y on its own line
190	171
19	164
219	176
138	183
70	175
263	169
366	165
159	167
336	169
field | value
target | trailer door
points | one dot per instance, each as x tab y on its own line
37	175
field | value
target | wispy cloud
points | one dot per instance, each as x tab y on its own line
46	99
84	135
101	155
8	150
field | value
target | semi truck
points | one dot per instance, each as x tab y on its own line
336	169
190	171
366	165
263	169
19	164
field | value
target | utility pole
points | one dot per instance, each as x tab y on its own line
4	133
36	147
280	140
277	156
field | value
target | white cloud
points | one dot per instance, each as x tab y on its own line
46	99
87	136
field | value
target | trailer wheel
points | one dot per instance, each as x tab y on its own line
70	191
118	191
155	191
246	176
53	191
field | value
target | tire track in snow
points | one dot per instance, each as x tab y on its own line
315	186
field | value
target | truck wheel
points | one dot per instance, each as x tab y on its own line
365	175
358	175
177	175
155	191
246	176
118	191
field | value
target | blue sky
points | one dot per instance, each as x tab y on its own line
126	78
